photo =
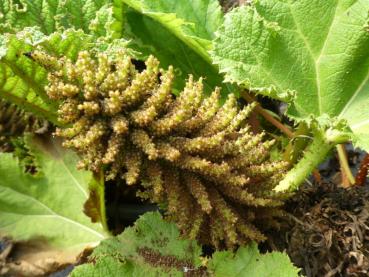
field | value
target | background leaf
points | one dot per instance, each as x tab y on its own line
319	50
47	205
178	33
22	80
49	15
193	22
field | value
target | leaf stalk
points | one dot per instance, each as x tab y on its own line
347	177
316	153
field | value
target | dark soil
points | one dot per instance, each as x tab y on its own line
327	228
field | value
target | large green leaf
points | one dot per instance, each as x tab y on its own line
178	33
49	15
49	204
22	80
317	50
247	261
153	247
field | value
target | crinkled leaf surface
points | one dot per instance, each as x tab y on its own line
247	261
49	15
101	25
106	266
317	49
22	80
152	247
49	204
178	33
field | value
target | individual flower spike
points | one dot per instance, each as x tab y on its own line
189	152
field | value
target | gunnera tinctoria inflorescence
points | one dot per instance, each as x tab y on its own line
189	152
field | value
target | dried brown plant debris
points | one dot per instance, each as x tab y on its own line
32	258
189	152
330	236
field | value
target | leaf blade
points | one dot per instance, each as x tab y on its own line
47	205
247	261
187	20
49	15
325	68
152	247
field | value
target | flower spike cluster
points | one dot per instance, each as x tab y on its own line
189	152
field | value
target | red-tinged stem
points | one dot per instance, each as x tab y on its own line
363	171
267	116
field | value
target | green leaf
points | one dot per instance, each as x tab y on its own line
106	266
193	22
178	33
152	247
101	25
49	204
49	15
317	50
22	81
249	262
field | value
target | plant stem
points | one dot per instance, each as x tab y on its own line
316	153
347	177
267	116
102	202
95	207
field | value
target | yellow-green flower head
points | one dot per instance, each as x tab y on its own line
189	152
